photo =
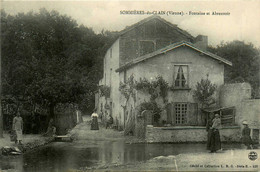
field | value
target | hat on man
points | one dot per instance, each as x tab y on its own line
245	123
217	115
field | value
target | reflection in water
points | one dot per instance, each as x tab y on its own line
13	162
59	157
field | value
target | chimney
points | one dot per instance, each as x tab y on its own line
201	42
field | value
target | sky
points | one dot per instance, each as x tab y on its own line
242	23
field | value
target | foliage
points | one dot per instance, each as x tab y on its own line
147	87
48	59
204	91
104	91
156	88
164	87
128	89
246	60
153	107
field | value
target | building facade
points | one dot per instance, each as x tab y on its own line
154	47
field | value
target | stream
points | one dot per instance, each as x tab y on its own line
62	156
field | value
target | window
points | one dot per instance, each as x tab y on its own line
129	50
181	113
181	76
110	77
146	47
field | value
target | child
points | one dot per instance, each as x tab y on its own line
246	139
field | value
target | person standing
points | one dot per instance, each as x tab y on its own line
18	127
246	138
208	129
215	143
94	121
109	122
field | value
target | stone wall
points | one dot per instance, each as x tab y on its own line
189	134
110	79
250	111
239	96
233	94
150	36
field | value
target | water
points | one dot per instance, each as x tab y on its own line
59	157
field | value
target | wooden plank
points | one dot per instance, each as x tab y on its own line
227	118
63	138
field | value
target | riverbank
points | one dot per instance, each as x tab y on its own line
106	150
29	142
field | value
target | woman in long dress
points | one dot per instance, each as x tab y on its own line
208	129
18	127
215	143
246	138
94	121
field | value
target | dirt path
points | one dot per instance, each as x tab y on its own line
82	132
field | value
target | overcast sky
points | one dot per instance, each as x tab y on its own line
243	23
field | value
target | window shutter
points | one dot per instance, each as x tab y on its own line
173	113
192	115
169	113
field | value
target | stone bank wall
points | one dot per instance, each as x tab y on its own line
189	134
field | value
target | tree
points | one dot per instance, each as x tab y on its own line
246	60
204	92
48	59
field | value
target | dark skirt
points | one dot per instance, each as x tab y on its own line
247	140
213	143
94	123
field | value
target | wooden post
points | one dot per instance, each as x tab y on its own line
1	114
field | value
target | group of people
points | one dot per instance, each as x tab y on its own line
214	142
17	129
213	126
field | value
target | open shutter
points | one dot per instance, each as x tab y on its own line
192	115
173	114
169	113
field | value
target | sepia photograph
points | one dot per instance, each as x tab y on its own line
124	85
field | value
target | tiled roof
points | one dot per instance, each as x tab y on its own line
159	18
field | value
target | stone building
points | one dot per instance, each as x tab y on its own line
154	47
